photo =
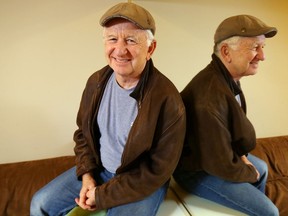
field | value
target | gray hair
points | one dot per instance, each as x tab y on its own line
232	42
150	37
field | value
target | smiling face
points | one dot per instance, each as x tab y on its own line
126	50
243	58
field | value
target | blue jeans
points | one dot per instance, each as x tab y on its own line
57	198
244	197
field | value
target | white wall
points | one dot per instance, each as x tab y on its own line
49	48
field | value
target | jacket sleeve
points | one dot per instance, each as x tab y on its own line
215	147
154	167
85	155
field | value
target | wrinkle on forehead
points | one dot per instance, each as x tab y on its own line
253	40
125	30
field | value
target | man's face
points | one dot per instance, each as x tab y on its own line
126	48
245	58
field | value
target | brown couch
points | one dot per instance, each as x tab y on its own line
274	150
19	181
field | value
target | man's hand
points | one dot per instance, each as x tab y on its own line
246	161
86	198
90	201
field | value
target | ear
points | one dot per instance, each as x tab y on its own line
151	49
225	53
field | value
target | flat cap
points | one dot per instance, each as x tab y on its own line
132	12
243	25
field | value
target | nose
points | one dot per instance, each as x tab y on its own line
120	48
260	54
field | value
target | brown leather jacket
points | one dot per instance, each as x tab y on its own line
218	131
154	143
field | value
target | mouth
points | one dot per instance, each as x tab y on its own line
121	60
254	64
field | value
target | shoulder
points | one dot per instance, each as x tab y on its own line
162	83
99	75
161	92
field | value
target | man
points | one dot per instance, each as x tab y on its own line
131	128
215	163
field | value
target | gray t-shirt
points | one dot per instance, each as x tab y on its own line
115	118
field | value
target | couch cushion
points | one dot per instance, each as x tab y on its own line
19	181
274	151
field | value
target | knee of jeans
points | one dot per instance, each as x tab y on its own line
262	168
272	211
37	204
265	171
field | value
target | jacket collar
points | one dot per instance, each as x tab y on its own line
234	86
139	89
138	92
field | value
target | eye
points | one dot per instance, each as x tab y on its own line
131	41
255	47
112	39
